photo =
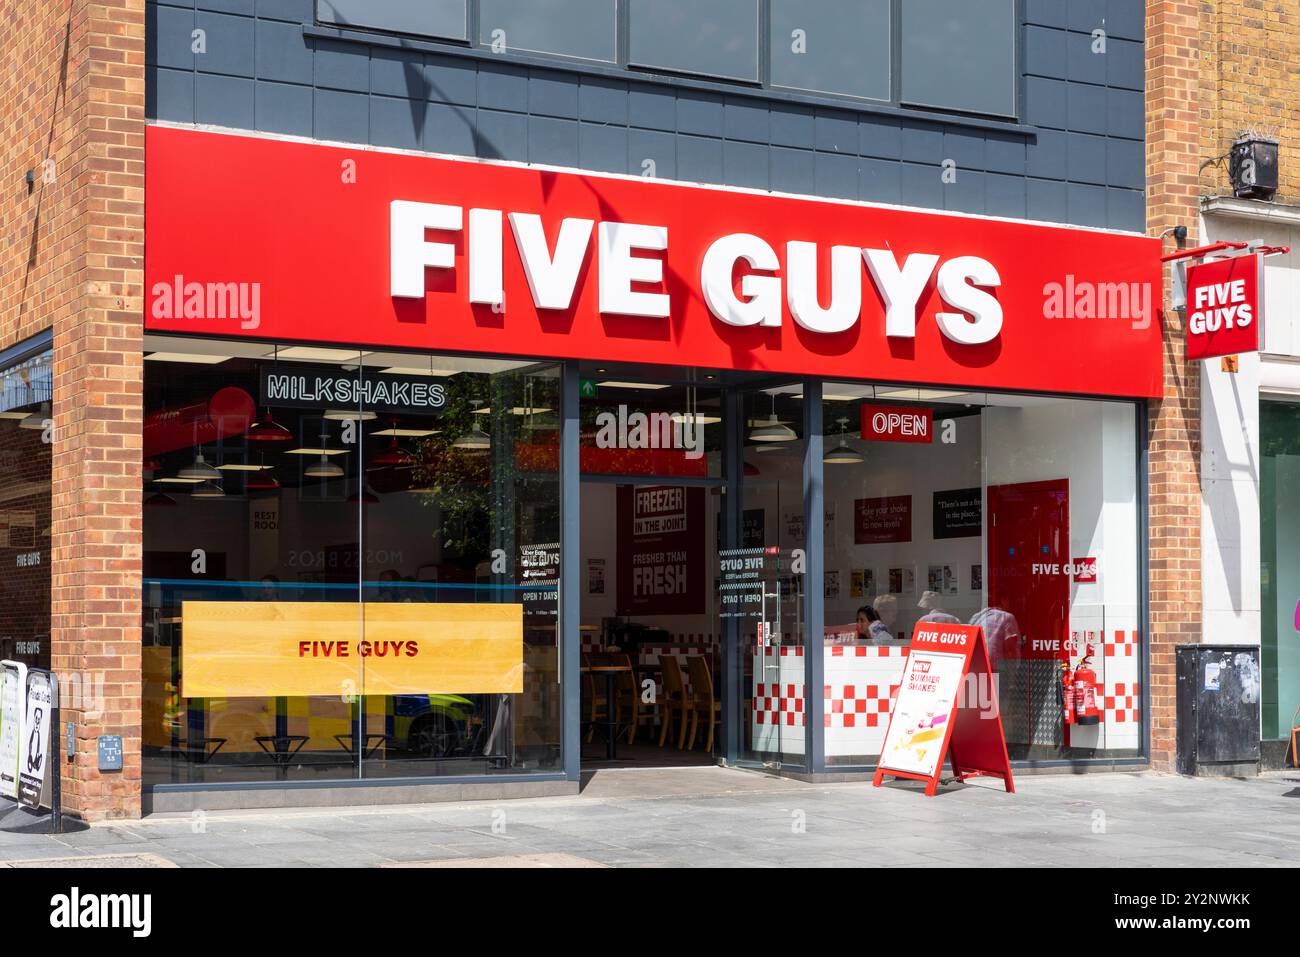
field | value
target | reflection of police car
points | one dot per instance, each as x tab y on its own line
434	725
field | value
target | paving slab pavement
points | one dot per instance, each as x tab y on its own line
709	817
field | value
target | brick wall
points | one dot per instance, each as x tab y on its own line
1173	118
1250	79
72	110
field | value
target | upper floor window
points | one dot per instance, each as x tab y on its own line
955	55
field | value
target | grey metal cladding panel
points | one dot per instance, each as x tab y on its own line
1126	19
880	181
699	113
1086	15
602	100
1045	200
244	7
1045	52
1045	155
1049	13
170	93
793	170
746	119
1087	106
553	95
699	158
338	115
836	175
792	124
880	137
1085	158
1126	209
452	79
1004	195
965	193
652	152
552	141
651	107
1125	114
223	101
450	128
283	108
399	73
745	164
501	136
836	132
396	122
168	37
602	148
922	186
227	45
282	53
338	65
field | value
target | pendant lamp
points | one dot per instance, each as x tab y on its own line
773	430
266	429
841	454
475	440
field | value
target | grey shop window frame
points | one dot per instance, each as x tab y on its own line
31	346
763	87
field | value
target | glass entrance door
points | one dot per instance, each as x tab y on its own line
762	581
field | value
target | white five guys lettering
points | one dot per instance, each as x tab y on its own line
625	256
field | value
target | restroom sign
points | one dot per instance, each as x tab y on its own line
1224	306
893	423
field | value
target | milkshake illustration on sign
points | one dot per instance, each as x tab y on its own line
926	730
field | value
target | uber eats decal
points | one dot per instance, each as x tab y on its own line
660	550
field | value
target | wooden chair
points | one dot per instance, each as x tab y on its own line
673	700
629	688
702	703
594	693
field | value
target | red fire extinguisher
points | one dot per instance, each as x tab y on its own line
1067	692
1085	694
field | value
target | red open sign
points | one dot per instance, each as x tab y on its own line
896	423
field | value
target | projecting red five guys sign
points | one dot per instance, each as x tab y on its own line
286	240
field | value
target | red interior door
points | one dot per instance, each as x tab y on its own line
1029	538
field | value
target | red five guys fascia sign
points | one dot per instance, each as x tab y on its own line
288	240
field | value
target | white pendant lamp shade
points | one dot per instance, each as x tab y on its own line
842	454
208	490
475	440
199	471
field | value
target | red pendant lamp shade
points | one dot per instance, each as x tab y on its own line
266	429
393	457
262	481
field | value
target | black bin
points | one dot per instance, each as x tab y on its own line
1218	710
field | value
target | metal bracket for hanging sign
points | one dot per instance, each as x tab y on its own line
1224	249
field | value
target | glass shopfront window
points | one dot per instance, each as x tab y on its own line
350	564
1279	439
26	444
1016	513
